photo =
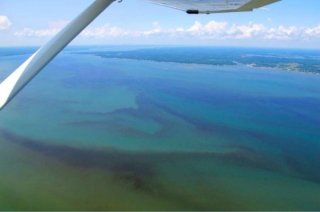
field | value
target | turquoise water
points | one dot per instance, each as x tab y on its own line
100	129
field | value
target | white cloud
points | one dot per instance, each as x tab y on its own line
52	29
313	32
212	30
5	23
284	33
245	31
104	31
29	32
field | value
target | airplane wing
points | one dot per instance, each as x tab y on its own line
31	67
214	6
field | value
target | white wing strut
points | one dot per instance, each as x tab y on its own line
30	68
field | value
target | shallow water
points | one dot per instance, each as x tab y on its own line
94	133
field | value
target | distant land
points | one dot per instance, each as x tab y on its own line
285	59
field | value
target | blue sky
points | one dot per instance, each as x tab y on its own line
288	24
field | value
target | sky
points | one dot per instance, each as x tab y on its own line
285	24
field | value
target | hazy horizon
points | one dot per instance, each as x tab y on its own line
168	45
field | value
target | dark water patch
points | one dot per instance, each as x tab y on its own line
133	166
157	112
136	170
130	165
202	125
296	158
145	110
139	169
111	121
114	126
299	156
246	156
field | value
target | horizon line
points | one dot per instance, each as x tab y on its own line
170	45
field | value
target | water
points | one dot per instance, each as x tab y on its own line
100	129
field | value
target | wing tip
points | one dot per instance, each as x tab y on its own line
3	102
